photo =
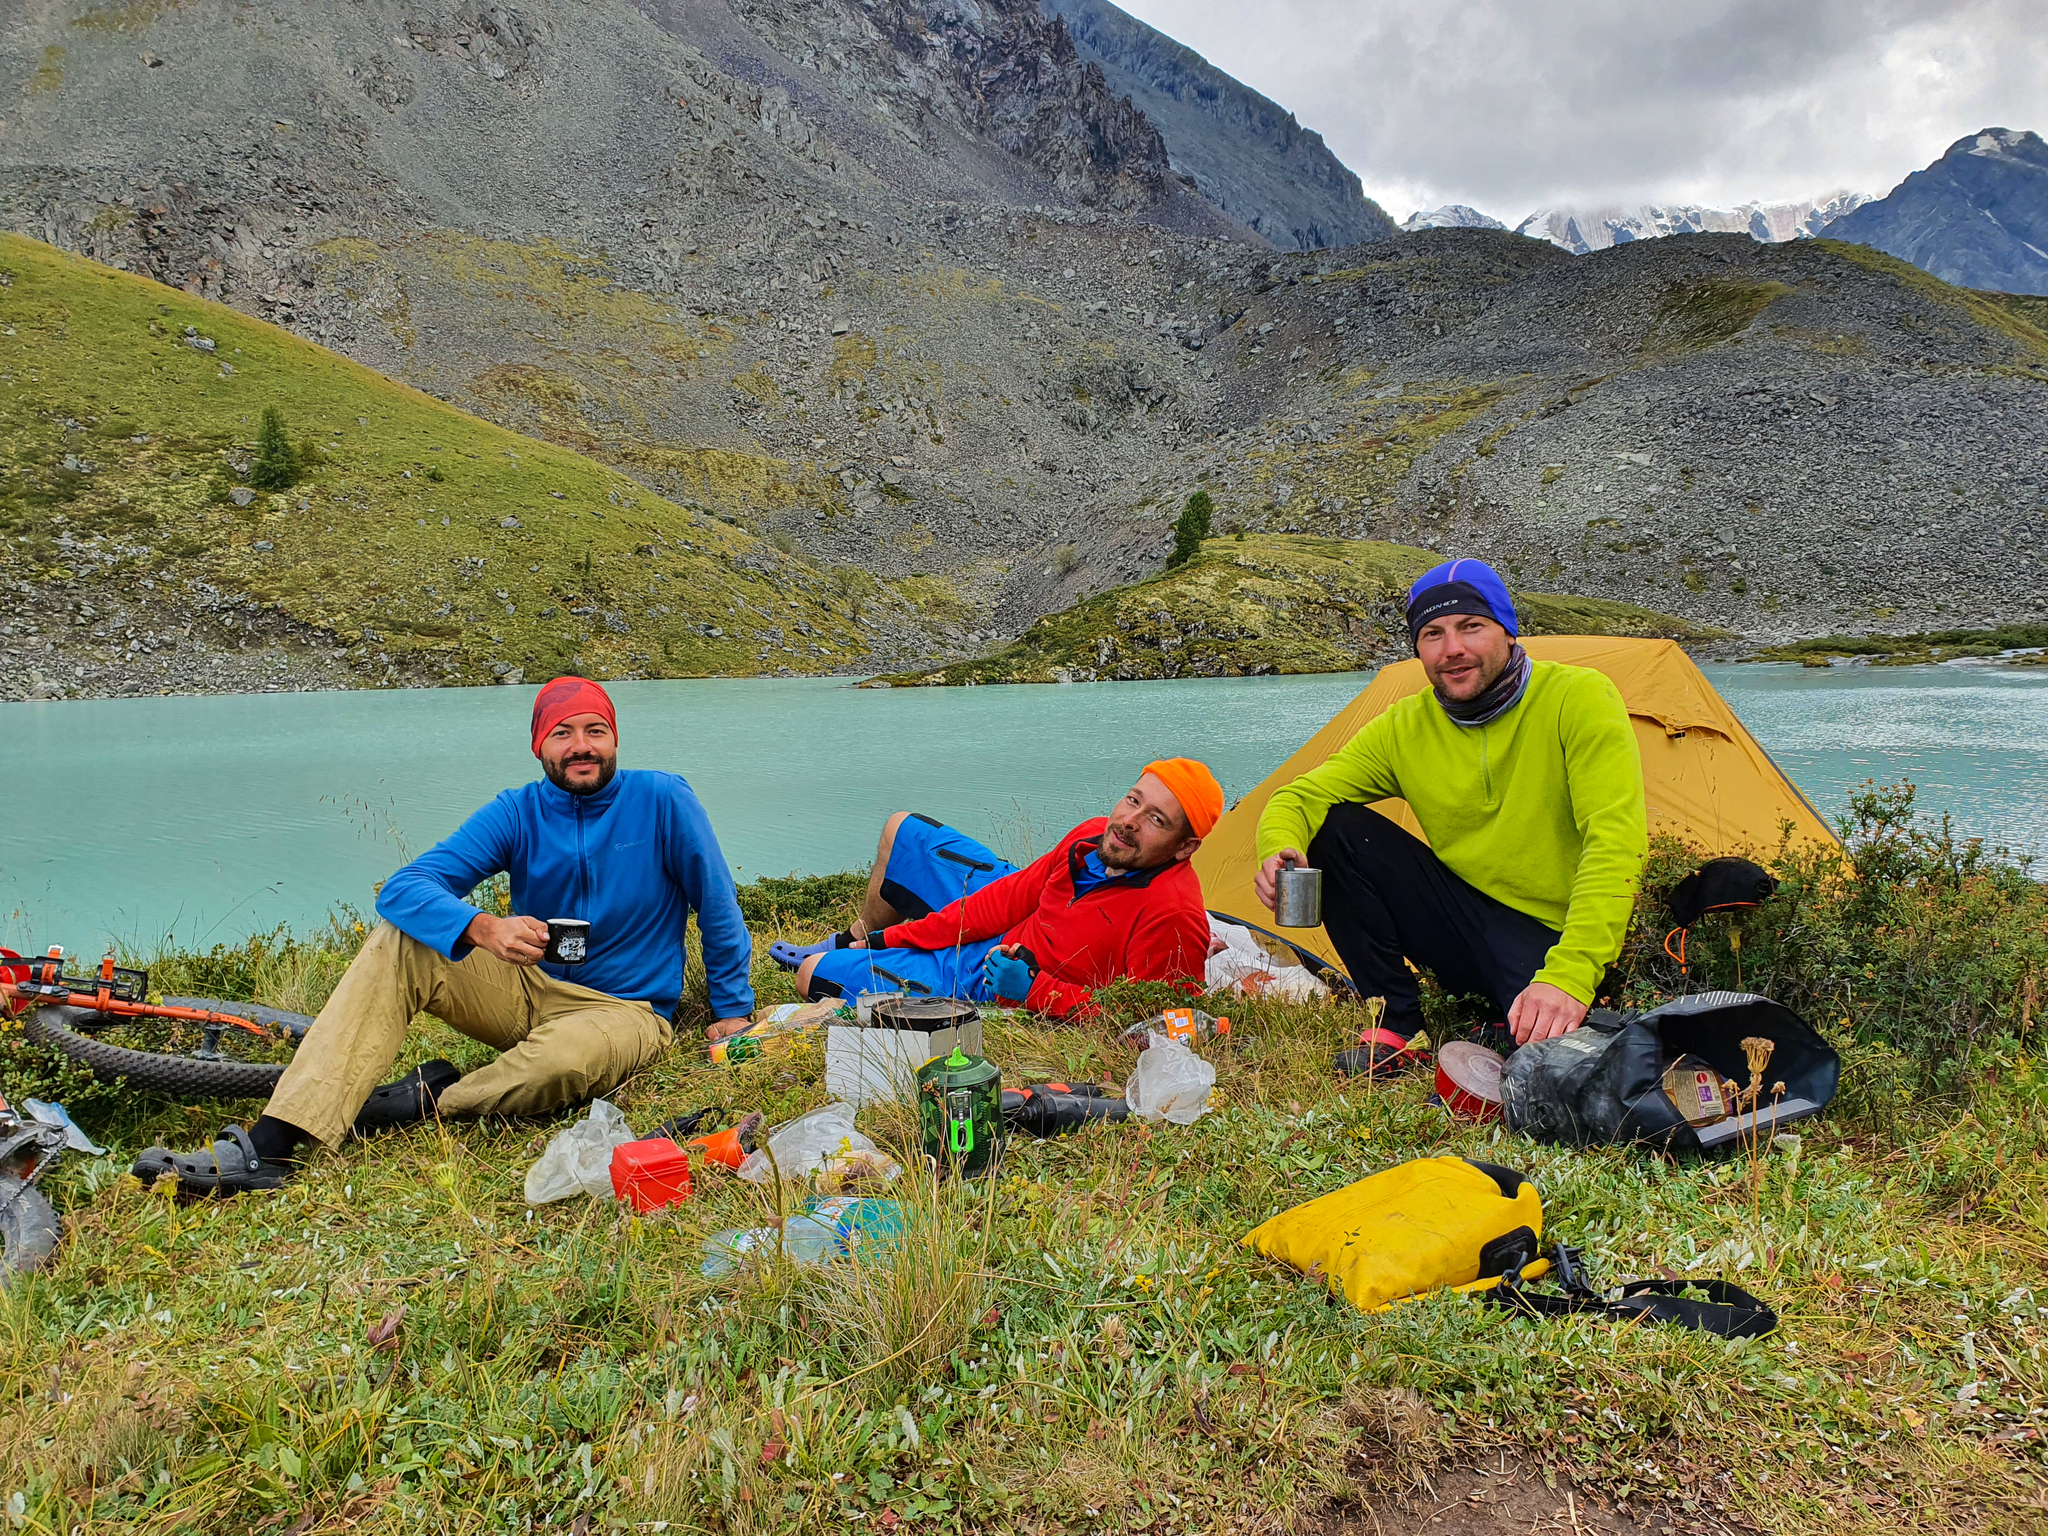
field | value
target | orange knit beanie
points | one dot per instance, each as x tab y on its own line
1195	787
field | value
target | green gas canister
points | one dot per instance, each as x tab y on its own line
960	1108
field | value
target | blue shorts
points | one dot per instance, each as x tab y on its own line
930	866
920	972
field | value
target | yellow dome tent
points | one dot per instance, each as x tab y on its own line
1705	777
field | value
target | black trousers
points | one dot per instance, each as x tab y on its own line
1387	898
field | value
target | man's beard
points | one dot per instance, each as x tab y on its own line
558	773
1116	855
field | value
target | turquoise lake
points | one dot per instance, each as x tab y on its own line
210	818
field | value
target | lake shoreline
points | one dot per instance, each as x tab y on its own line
22	683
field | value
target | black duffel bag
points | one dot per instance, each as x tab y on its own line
1604	1082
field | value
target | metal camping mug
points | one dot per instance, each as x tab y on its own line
568	941
1299	899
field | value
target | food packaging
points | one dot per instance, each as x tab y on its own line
1702	1095
775	1033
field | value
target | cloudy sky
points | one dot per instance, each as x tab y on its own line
1512	105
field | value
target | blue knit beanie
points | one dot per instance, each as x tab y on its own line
1460	586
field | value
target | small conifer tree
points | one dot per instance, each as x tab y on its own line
277	462
1191	528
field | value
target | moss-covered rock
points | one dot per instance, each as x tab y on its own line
1257	605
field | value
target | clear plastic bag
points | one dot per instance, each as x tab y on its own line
1170	1083
807	1144
1244	966
579	1159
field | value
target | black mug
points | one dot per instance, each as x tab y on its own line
568	941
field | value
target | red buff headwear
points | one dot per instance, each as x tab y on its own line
567	696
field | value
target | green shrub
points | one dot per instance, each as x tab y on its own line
795	899
1909	938
277	466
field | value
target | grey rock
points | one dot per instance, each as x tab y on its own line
241	495
508	522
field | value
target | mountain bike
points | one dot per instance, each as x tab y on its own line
111	1024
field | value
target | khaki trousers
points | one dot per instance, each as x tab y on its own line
562	1044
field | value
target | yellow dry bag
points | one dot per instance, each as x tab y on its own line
1438	1223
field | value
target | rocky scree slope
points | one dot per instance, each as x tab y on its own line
1259	604
1242	151
1775	440
420	545
709	243
572	220
1977	217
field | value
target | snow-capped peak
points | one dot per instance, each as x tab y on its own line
1582	231
1451	216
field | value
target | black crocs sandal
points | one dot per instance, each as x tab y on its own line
229	1168
1381	1053
409	1101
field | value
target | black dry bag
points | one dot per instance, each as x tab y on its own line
1605	1081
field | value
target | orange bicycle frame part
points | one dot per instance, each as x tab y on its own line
102	999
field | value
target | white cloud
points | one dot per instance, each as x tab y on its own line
1511	106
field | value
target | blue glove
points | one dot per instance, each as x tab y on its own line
1008	976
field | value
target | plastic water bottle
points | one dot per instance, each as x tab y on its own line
1189	1024
855	1221
828	1229
800	1239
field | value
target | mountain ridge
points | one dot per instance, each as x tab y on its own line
1977	217
1289	188
1584	230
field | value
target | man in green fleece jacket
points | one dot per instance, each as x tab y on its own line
1527	782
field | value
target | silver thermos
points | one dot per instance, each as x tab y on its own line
1298	902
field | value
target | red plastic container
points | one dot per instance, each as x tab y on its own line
651	1174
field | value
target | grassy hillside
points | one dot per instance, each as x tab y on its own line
129	416
1263	603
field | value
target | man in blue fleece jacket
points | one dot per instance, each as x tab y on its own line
630	853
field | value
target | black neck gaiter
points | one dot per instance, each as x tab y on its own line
1502	695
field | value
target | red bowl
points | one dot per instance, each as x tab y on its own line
1468	1080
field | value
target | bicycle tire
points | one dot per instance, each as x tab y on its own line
68	1029
28	1229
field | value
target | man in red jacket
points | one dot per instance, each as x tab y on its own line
1116	897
